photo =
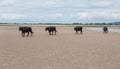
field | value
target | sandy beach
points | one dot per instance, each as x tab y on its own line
66	50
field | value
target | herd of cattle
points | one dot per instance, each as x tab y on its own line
52	30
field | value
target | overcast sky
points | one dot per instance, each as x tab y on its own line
59	11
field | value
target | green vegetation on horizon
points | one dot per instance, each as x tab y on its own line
115	23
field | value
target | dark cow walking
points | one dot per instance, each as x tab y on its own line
51	30
105	29
78	28
25	30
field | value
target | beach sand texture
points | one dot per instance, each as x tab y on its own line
66	50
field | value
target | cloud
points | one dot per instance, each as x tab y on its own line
101	4
60	10
12	16
7	2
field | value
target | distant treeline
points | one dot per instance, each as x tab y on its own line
96	23
69	23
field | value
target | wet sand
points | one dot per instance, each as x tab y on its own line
66	50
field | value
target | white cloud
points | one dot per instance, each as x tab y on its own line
7	2
84	15
59	15
60	10
12	16
102	3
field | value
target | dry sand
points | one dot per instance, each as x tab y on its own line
66	50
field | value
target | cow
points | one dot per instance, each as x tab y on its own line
78	28
105	29
51	30
25	30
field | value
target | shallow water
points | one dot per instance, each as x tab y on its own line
101	29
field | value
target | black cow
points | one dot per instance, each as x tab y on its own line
78	28
51	30
105	29
25	30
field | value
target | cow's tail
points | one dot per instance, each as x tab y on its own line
32	32
56	31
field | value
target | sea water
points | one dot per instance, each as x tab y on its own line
101	29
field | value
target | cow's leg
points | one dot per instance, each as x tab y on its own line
52	32
31	33
49	32
23	34
55	32
105	31
81	32
27	34
76	32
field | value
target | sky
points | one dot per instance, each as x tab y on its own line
59	11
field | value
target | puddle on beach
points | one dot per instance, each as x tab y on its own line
101	29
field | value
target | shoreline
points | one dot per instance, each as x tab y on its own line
58	25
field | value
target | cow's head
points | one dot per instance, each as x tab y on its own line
20	28
46	28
